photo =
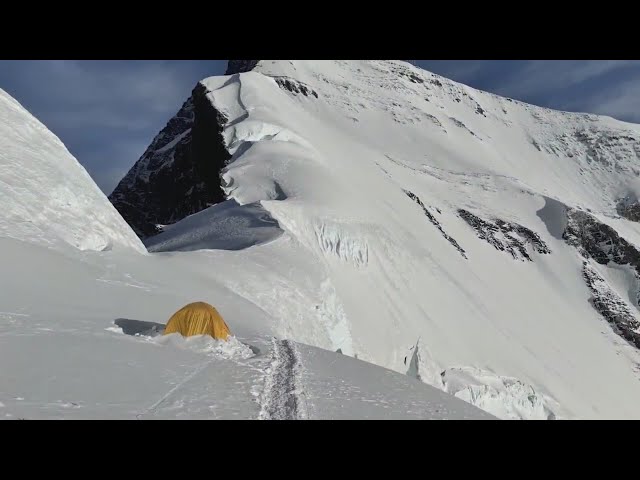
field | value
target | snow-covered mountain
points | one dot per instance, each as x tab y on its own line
82	304
485	246
46	195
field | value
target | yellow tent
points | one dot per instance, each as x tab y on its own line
198	318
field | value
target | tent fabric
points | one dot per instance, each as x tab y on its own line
198	318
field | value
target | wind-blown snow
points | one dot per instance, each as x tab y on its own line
46	196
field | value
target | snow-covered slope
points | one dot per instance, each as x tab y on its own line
425	227
45	194
79	322
79	339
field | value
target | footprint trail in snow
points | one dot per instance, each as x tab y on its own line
282	396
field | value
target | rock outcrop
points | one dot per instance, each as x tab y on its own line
179	174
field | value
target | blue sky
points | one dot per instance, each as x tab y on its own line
107	112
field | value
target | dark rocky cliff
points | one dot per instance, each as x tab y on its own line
179	174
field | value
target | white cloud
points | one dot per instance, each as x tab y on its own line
621	101
607	87
105	93
548	76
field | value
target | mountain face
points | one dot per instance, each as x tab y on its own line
47	197
178	174
482	245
